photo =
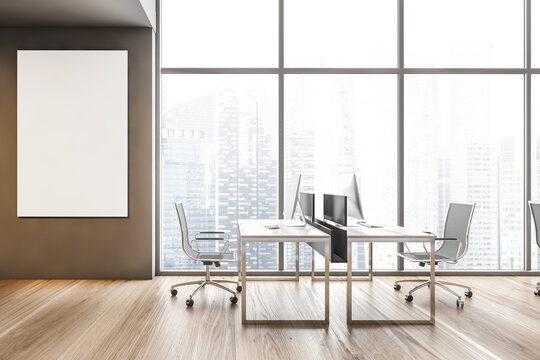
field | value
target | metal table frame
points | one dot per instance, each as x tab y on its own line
427	238
295	277
243	240
369	276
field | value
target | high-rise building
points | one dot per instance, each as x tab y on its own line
511	205
217	157
482	187
188	135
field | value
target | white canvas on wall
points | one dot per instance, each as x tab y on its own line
72	133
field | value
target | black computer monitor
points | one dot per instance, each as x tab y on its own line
307	202
335	208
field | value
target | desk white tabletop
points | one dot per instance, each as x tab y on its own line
256	230
386	234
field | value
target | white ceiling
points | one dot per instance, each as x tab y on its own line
77	13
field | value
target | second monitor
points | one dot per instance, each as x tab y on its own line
307	203
349	188
335	208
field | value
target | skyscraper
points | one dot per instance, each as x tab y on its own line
217	157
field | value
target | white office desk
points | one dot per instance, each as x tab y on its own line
381	235
255	231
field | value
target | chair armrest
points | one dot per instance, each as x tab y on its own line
436	239
424	244
219	236
212	235
222	251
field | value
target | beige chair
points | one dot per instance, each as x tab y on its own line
455	244
206	257
535	211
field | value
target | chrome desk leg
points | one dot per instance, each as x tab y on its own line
369	277
327	283
370	261
293	322
432	279
349	281
351	321
297	260
312	264
295	277
240	252
244	290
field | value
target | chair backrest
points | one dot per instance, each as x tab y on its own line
186	245
535	211
457	226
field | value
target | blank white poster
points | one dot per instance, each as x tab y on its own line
72	133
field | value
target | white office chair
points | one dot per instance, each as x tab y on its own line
206	257
535	211
454	247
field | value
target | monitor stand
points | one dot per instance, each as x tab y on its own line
302	222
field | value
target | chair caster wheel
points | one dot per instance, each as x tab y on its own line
537	292
460	303
189	302
239	288
174	292
234	299
408	298
468	294
397	287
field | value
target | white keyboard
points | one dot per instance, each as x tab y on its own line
368	225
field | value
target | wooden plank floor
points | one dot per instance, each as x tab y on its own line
69	319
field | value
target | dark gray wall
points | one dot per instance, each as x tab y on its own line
88	13
97	248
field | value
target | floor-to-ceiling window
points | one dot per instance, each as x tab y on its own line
464	130
535	125
219	132
219	156
535	164
337	125
426	101
464	142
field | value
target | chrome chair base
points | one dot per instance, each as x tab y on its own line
443	284
207	281
537	291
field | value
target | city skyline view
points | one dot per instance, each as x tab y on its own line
220	158
219	152
419	125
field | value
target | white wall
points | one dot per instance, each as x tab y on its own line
72	134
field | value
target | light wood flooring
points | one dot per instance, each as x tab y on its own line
94	319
